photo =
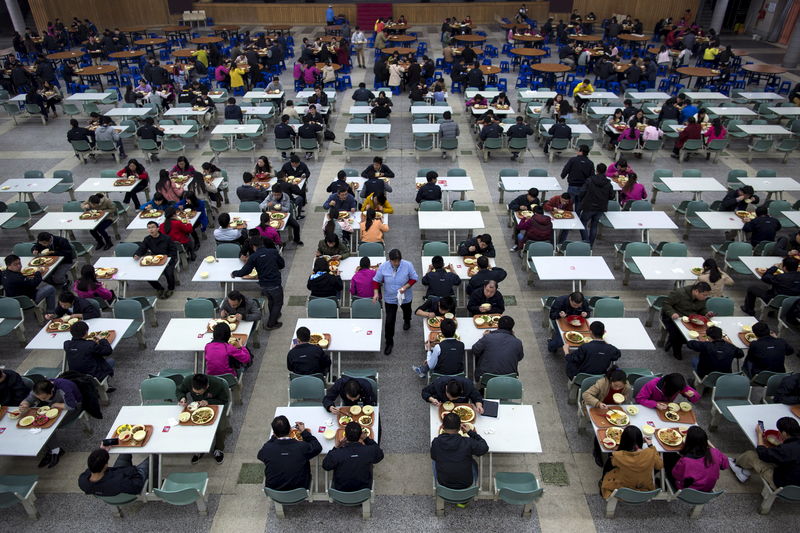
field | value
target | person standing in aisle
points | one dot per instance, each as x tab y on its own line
397	277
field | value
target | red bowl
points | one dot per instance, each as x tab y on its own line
773	433
701	318
570	318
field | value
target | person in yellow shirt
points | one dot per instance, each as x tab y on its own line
710	54
237	79
377	202
201	56
372	228
584	87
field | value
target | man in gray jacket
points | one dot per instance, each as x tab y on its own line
448	129
106	132
242	308
498	352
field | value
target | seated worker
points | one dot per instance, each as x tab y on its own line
779	465
632	466
684	301
601	394
123	478
199	388
323	283
306	358
486	300
52	245
766	353
333	247
566	305
700	464
453	465
454	389
15	284
88	356
716	355
59	393
498	352
351	460
738	199
225	233
222	357
341	200
524	202
71	306
788	392
361	283
434	307
352	391
484	274
372	227
12	388
286	460
158	243
537	228
446	357
482	244
377	170
238	305
594	357
430	191
660	391
440	280
784	281
762	228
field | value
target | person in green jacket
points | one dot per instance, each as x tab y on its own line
682	302
199	388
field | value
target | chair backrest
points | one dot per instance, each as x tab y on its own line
429	249
158	391
308	388
578	249
350	498
776	206
64	175
20	209
539	249
720	306
371	249
694	206
430	205
732	386
661	173
503	388
766	173
322	308
72	207
463	205
125	249
456	495
249	207
609	307
635	497
772	386
178	497
738	249
637	249
639	383
365	308
199	308
286	497
641	205
10	309
22	248
130	309
692	173
227	250
674	249
535	172
456	172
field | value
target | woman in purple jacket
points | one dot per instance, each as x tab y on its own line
658	392
699	464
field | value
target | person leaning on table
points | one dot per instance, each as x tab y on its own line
305	358
594	357
785	283
632	465
766	353
779	466
680	302
352	459
198	388
99	479
286	460
659	392
352	391
486	299
452	454
454	389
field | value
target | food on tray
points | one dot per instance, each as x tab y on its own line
367	431
614	434
747	328
672	406
698	321
51	413
345	419
465	413
105	272
123	428
694	334
609	443
670	436
125	436
618	418
136	428
140	435
204	415
355	410
29	271
27	421
618	398
210	259
672	416
448	406
194	406
13	415
435	321
42	410
367	409
184	416
697	271
575	322
277	216
632	410
329	433
40	261
647	429
685	406
574	337
469	261
151	213
232	325
365	420
526	214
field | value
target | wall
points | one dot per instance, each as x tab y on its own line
648	11
104	13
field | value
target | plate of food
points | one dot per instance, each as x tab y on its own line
525	214
465	413
575	320
151	213
435	322
105	272
470	261
345	419
107	334
617	417
42	261
203	416
61	324
31	271
277	216
230	320
322	340
365	420
698	320
153	260
670	437
773	437
486	321
697	271
91	214
685	406
574	337
124	182
632	410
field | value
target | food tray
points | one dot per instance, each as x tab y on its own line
43	426
273	215
601	434
187	215
441	427
238	224
345	411
695	327
44	261
86	215
112	334
163	261
124	182
667	447
180	179
686	417
599	419
191	423
52	326
442	410
150	215
489	324
742	337
233	325
438	325
795	410
745	216
340	434
242	339
575	344
564	215
565	326
133	444
28	274
108	273
327	337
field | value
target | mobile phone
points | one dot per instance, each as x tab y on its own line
110	442
761	424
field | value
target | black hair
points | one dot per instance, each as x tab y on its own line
761	329
631	439
224	220
44	387
597	328
616	374
199	381
280	426
505	323
66	297
790	263
454	388
88	279
352	431
448	327
79	329
352	389
369	219
97	460
714	333
701	286
696	445
303	334
364	262
432	176
437	261
222	332
321	264
789	425
671	384
714	275
451	421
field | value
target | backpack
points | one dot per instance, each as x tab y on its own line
328	135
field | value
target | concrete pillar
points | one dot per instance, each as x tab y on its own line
792	57
719	15
16	16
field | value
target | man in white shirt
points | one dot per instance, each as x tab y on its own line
359	40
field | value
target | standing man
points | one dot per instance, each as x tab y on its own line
595	194
266	260
330	18
286	460
397	277
359	40
577	171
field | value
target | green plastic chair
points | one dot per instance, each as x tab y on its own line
365	308
430	205
173	146
20	219
133	310
148	147
322	308
654	304
351	145
578	249
430	249
633	249
720	306
776	208
772	387
536	249
734	252
730	390
378	144
422	144
609	308
219	147
199	308
626	146
486	376
22	249
716	147
652	147
67	184
732	181
454	496
629	496
658	184
422	172
691	218
787	493
491	143
760	146
536	172
125	249
518	488
118	501
13	319
158	391
249	207
557	146
674	249
16	489
353	499
691	146
227	250
463	205
306	391
185	489
506	389
371	249
783	309
247	145
456	172
286	497
786	147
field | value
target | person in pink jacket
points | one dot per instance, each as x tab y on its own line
361	283
620	168
88	286
699	464
310	74
658	392
265	230
632	191
218	352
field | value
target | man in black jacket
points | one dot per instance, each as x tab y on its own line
247	193
716	355
377	169
319	97
156	243
738	199
563	306
577	170
362	95
762	228
352	459
499	351
352	391
788	392
481	244
16	284
233	111
486	299
475	77
159	75
296	168
71	306
559	130
485	273
374	184
286	460
595	195
454	389
284	131
55	246
149	131
594	357
122	478
525	202
199	388
440	280
492	130
268	263
453	465
520	130
766	353
437	307
430	191
306	358
12	389
784	281
86	356
79	133
778	465
309	130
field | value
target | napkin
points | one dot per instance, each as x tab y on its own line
172	421
400	297
356	329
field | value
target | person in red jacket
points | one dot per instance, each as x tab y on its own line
134	169
693	130
539	227
179	231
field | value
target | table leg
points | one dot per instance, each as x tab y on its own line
339	363
196	357
346	294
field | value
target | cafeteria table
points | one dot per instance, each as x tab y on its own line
192	335
347	334
572	268
451	223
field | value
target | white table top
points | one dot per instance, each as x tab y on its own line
732	111
626	333
303	109
368	128
425	128
640	419
179	439
453	220
20	185
5	217
679	184
759	261
24	442
537	95
523	183
347	334
308	93
577	129
347	267
185	111
668	268
599	95
747	416
251	219
559	223
486	93
730	325
760	95
355	219
705	96
86	97
190	334
103	185
361	109
479	112
771	184
222	129
138	222
603	110
768	129
220	271
176	129
794	216
315	418
255	95
513	431
129	269
44	340
467	332
127	112
451	183
60	221
640	220
551	268
721	220
433	109
26	259
265	110
641	95
458	264
785	111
